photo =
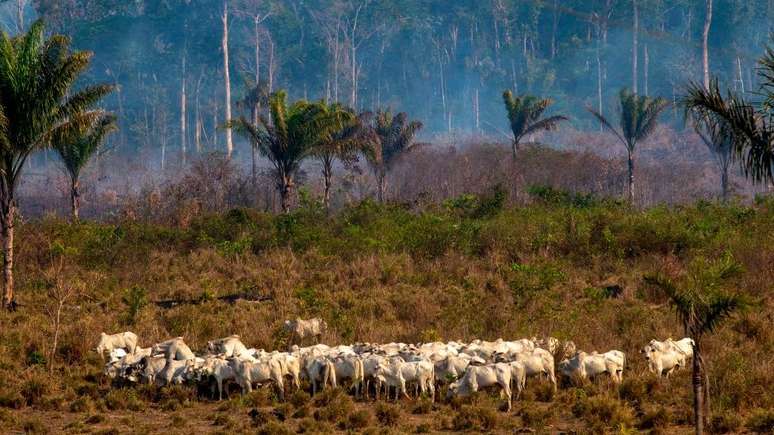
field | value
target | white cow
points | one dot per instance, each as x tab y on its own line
249	373
218	368
320	371
228	346
124	340
518	376
537	363
388	374
350	367
174	348
662	358
304	329
477	377
588	366
422	374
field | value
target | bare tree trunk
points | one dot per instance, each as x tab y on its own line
198	119
271	66
227	78
183	114
327	173
381	185
256	23
75	199
554	30
646	66
55	341
739	71
7	233
705	44
286	189
631	177
635	46
698	392
20	15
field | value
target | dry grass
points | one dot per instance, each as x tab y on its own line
382	274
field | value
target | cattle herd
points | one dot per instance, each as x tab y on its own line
371	369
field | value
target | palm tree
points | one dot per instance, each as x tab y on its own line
702	305
525	116
750	125
287	140
394	136
348	134
76	145
639	118
36	96
713	132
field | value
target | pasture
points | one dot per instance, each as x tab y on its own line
458	271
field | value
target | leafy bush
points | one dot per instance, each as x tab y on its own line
761	421
475	417
388	415
135	298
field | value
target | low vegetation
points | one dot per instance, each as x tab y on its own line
562	266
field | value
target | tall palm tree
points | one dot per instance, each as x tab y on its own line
287	140
525	114
750	124
347	135
713	132
702	305
76	145
36	96
639	118
394	136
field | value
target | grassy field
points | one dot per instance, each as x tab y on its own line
468	268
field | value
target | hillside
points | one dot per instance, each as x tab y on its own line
469	268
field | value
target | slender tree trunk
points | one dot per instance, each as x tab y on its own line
227	78
286	189
327	173
646	66
705	44
55	343
183	115
554	30
75	199
381	181
7	233
698	392
256	23
631	177
635	45
20	15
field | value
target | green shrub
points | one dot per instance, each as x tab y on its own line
135	298
726	422
535	417
82	404
33	390
657	418
423	407
34	426
333	405
387	414
475	417
761	421
601	411
357	420
274	428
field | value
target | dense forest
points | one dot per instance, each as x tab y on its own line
445	63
